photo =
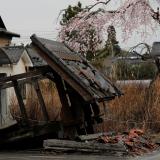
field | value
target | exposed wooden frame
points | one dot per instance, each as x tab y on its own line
20	101
41	100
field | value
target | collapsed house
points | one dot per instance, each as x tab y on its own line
82	85
81	88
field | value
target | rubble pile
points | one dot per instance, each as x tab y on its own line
136	142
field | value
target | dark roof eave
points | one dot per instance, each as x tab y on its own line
11	34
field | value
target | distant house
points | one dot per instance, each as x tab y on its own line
5	35
13	60
37	61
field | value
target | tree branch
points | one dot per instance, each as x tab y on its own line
92	6
88	8
146	46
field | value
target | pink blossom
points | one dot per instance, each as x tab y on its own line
130	16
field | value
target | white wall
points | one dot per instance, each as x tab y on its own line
9	94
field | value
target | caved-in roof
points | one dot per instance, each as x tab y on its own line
35	58
75	70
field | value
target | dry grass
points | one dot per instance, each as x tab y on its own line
34	112
138	108
128	111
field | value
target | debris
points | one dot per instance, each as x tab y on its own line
90	137
134	140
89	147
80	86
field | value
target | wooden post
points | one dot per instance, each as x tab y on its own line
41	100
1	118
77	107
20	100
2	75
67	119
66	115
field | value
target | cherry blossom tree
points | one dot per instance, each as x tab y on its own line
87	30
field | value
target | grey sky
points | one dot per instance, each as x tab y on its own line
33	16
39	16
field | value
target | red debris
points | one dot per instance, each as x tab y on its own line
134	140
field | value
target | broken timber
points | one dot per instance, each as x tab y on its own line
41	100
25	128
80	87
93	147
75	70
20	100
90	137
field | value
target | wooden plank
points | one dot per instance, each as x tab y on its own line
92	146
95	136
2	75
32	74
41	100
18	133
1	116
21	81
20	101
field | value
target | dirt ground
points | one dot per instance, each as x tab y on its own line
25	155
37	156
152	156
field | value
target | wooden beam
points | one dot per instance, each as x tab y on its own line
55	144
32	74
2	75
77	107
41	100
20	101
66	114
21	81
1	118
91	137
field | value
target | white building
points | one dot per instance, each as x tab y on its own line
13	60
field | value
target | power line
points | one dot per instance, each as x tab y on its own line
29	30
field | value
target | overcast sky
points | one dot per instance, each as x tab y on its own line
40	16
